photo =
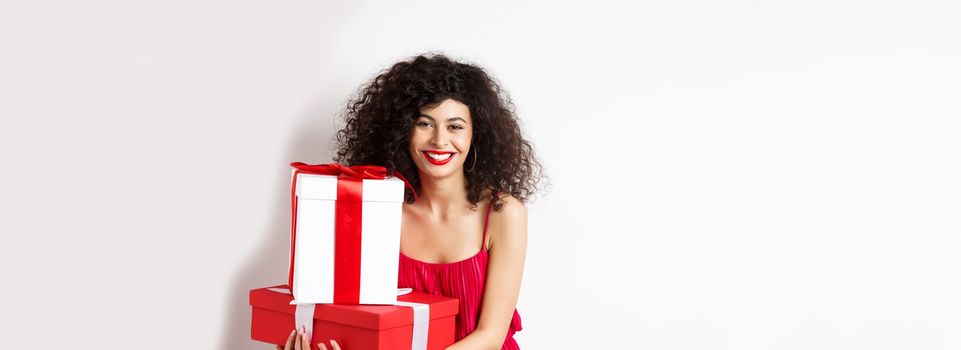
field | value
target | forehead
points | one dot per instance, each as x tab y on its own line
447	109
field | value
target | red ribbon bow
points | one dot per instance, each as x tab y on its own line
347	224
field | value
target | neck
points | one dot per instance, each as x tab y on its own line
444	195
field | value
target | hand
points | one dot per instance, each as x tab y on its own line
298	341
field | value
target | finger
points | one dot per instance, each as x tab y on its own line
334	345
290	341
321	346
297	345
305	343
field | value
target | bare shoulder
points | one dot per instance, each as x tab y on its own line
508	226
512	209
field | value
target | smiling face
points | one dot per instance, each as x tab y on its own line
441	139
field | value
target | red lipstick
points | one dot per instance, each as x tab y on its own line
427	155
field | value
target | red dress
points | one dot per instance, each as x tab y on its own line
463	280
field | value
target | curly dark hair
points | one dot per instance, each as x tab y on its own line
379	118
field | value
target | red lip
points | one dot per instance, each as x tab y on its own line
438	162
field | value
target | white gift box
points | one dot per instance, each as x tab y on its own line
313	260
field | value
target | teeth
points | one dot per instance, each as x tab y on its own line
439	156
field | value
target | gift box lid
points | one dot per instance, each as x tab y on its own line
314	186
365	316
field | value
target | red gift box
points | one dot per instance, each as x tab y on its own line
354	327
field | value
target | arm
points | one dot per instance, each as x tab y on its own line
508	248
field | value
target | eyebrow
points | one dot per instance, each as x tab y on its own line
448	119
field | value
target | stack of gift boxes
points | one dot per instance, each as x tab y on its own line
342	279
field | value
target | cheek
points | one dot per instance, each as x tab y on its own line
416	138
412	147
462	140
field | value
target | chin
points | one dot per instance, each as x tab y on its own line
441	173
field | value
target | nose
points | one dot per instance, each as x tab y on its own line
439	139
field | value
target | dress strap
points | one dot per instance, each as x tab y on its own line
486	220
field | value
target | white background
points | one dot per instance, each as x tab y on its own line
725	175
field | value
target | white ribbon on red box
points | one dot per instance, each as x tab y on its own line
304	317
421	320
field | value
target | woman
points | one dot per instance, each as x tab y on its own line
452	132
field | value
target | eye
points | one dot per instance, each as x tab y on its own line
456	127
422	123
